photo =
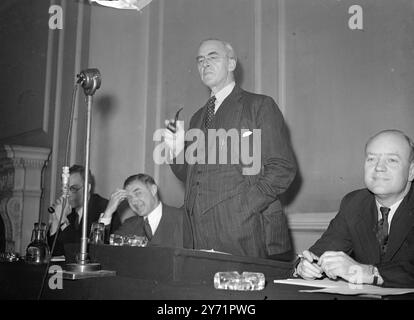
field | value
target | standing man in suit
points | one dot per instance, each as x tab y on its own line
161	224
71	223
371	240
231	211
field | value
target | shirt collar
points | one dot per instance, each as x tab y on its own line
393	209
223	94
154	217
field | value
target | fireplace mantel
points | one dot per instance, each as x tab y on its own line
20	191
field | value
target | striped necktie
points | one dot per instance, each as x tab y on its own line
210	105
147	229
382	229
73	219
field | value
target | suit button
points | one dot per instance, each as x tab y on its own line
198	183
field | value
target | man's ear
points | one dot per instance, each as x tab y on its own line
411	172
232	64
154	190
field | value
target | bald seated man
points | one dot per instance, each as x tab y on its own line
371	239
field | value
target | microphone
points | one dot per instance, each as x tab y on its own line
65	187
90	80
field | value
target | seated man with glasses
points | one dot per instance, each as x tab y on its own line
71	223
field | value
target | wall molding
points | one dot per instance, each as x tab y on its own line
282	56
80	26
58	107
48	78
258	22
310	221
159	77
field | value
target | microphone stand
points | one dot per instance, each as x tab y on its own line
90	80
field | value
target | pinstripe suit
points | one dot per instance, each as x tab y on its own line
236	213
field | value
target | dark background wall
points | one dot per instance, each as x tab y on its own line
23	34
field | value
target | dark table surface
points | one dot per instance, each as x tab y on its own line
19	280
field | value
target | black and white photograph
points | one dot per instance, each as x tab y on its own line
212	157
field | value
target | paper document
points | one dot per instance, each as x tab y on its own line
213	251
343	287
323	283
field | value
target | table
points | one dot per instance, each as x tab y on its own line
157	273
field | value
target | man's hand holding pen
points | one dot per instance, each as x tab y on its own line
334	264
308	267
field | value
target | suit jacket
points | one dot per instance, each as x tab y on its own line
96	206
353	231
230	211
169	232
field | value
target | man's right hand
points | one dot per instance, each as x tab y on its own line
174	141
116	198
308	267
55	216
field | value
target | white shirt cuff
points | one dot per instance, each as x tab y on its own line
105	221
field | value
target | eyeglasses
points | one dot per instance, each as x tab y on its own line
210	58
74	189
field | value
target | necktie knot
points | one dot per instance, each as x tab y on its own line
384	212
210	105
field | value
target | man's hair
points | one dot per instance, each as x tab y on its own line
227	46
400	133
76	168
143	178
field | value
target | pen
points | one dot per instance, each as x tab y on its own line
301	256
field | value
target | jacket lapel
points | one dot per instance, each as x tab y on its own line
365	228
229	113
401	224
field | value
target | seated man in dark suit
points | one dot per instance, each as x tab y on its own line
161	224
371	240
71	223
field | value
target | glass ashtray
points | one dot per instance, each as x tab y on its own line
129	240
137	241
232	280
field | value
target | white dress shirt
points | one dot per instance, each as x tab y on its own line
154	218
223	94
393	209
